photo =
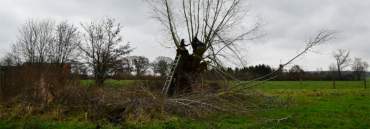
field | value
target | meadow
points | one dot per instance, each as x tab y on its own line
316	105
311	85
268	85
87	83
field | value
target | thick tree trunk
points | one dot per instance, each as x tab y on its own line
188	69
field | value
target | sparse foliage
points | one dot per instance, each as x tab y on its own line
79	68
333	70
42	41
35	40
141	64
161	65
7	60
359	67
127	65
101	49
296	72
64	46
342	60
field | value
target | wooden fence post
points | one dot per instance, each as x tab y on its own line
365	82
264	84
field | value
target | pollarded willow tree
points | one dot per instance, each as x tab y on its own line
222	28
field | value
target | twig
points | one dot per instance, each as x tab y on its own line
278	120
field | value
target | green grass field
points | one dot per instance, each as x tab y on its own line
314	85
316	105
323	108
286	84
108	82
40	124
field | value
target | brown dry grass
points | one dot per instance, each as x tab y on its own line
56	97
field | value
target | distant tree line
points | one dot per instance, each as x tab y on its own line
294	73
335	72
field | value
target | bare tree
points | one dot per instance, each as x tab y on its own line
40	41
161	65
153	67
101	49
7	60
216	28
65	43
296	72
41	45
78	68
342	60
141	64
333	70
127	65
359	67
34	40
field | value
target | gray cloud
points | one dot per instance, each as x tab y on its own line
295	21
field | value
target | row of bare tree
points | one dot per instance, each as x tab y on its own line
140	65
44	41
342	60
96	50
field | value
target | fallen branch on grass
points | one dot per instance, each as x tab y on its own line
278	120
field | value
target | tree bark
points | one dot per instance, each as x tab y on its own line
188	69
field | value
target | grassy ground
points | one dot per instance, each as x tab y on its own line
108	82
39	124
343	108
324	108
316	105
287	84
315	85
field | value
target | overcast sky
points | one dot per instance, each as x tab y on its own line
292	23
